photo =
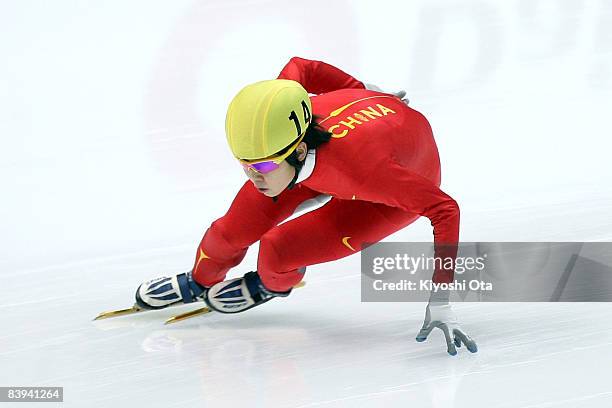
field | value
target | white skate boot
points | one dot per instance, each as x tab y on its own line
166	291
240	294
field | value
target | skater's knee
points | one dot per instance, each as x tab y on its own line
221	240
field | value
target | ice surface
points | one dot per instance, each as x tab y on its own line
114	163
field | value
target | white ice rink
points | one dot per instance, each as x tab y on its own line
114	162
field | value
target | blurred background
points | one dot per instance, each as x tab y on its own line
112	113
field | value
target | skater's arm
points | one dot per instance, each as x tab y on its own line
317	76
402	188
249	217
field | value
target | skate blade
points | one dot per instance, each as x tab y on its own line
183	316
187	315
120	312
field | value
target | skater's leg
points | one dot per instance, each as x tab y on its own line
337	229
224	245
250	215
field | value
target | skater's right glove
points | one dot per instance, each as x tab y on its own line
441	315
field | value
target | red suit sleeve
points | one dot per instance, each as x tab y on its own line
399	187
318	77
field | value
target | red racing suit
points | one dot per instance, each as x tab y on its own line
381	169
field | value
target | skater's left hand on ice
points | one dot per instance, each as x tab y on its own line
401	94
441	315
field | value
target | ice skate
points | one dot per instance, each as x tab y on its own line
167	291
240	294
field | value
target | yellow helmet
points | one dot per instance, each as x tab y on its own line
265	117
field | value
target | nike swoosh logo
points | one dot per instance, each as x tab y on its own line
346	243
201	256
348	105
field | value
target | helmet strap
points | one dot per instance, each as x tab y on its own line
292	184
